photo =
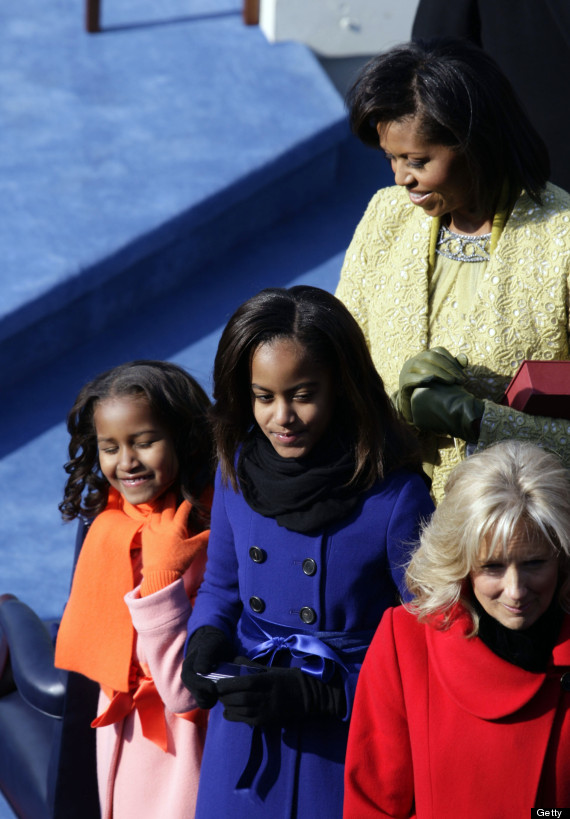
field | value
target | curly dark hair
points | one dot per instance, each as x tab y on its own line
463	101
176	400
321	324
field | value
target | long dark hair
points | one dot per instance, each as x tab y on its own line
463	101
177	402
324	327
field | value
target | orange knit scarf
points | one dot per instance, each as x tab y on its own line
96	636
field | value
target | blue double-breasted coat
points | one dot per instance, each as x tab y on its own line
270	589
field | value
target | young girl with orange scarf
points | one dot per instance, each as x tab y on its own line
140	469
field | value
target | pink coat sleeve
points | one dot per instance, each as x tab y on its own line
161	620
378	773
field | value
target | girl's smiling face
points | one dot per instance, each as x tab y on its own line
136	454
293	397
517	588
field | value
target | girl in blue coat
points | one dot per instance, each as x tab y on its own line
318	501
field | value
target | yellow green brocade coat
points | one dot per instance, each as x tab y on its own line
519	308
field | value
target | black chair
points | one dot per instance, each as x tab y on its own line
47	747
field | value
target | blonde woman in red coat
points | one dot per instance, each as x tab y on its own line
463	702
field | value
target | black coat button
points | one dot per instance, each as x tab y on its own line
565	681
256	604
309	566
257	555
308	615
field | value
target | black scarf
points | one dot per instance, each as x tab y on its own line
530	648
302	494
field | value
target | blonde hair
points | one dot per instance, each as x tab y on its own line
486	498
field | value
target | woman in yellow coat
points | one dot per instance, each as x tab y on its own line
459	272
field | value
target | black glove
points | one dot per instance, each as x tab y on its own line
448	410
207	647
428	367
280	696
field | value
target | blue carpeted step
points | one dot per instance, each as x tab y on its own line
129	158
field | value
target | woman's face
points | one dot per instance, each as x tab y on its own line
435	177
517	588
293	397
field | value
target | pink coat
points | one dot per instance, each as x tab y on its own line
138	779
443	728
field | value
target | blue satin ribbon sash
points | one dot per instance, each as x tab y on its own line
319	653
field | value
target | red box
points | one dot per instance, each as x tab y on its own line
541	388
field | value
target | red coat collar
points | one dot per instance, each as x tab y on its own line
480	682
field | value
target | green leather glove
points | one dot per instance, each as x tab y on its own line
447	409
428	367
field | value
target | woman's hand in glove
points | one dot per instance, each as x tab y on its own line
447	410
430	366
207	647
279	696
